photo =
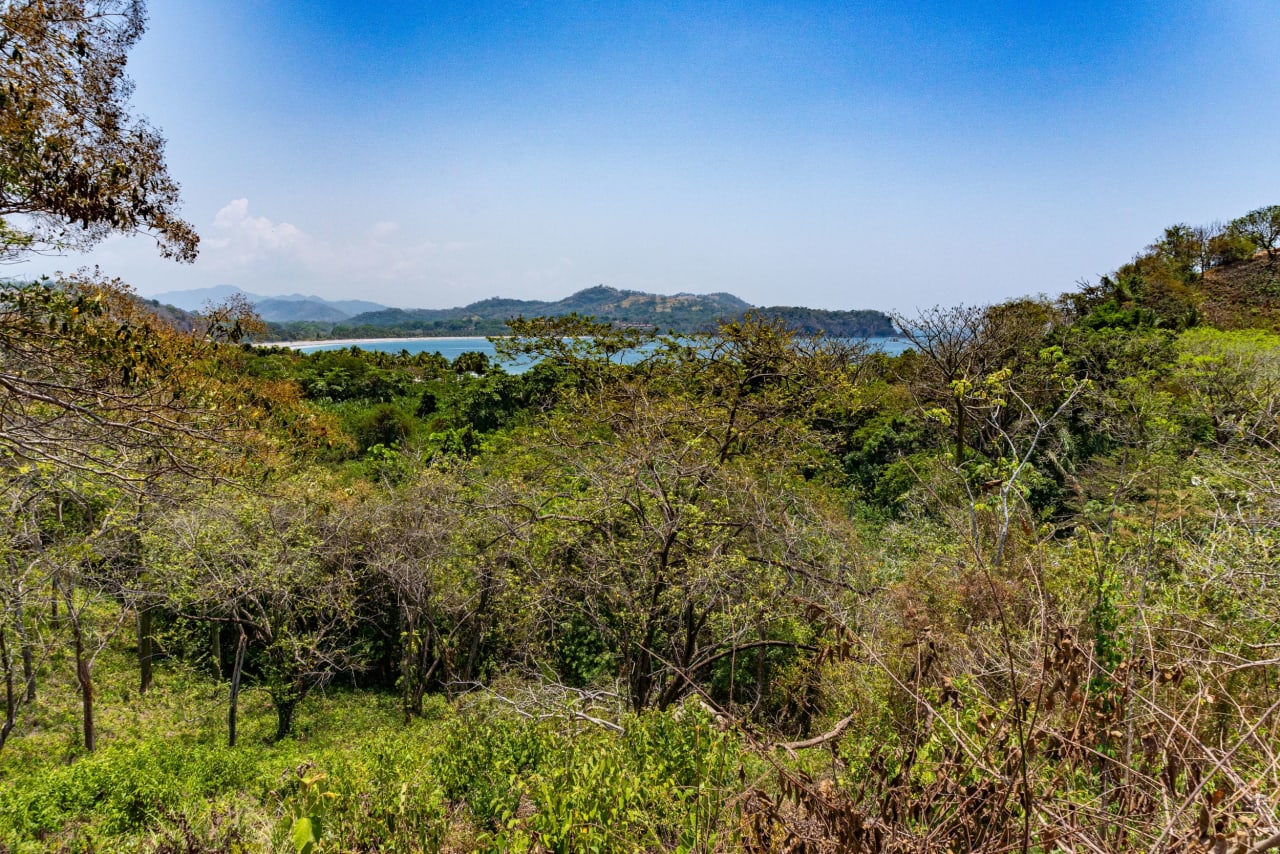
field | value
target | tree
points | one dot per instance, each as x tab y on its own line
1216	244
96	396
1181	249
94	384
74	536
93	390
94	562
99	397
1261	227
669	516
1231	380
75	166
282	573
412	554
953	350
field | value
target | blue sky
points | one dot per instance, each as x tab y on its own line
837	155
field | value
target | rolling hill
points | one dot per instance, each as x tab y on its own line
686	313
297	317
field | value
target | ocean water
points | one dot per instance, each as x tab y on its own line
451	348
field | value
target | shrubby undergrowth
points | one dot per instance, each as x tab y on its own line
1013	589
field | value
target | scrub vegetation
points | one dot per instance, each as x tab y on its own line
754	591
748	590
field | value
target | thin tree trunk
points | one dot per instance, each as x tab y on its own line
425	671
284	717
28	657
760	661
406	665
236	669
417	666
10	701
219	666
473	653
640	680
85	680
146	648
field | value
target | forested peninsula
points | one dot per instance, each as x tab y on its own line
680	313
757	590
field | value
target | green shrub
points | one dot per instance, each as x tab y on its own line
386	424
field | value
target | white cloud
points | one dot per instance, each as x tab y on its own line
244	239
255	249
380	230
386	261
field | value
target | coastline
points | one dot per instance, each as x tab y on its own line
356	342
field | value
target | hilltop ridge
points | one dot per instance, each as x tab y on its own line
298	317
683	312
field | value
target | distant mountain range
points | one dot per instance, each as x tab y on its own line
282	309
296	317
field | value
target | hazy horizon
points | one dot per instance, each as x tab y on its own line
550	298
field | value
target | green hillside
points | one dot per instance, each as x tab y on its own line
683	313
752	587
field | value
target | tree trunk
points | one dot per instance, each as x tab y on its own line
284	716
10	701
640	680
146	648
473	653
85	680
425	670
219	666
28	656
417	664
406	665
236	669
760	660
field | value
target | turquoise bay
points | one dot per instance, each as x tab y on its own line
451	348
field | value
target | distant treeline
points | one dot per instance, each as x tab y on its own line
315	330
683	313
